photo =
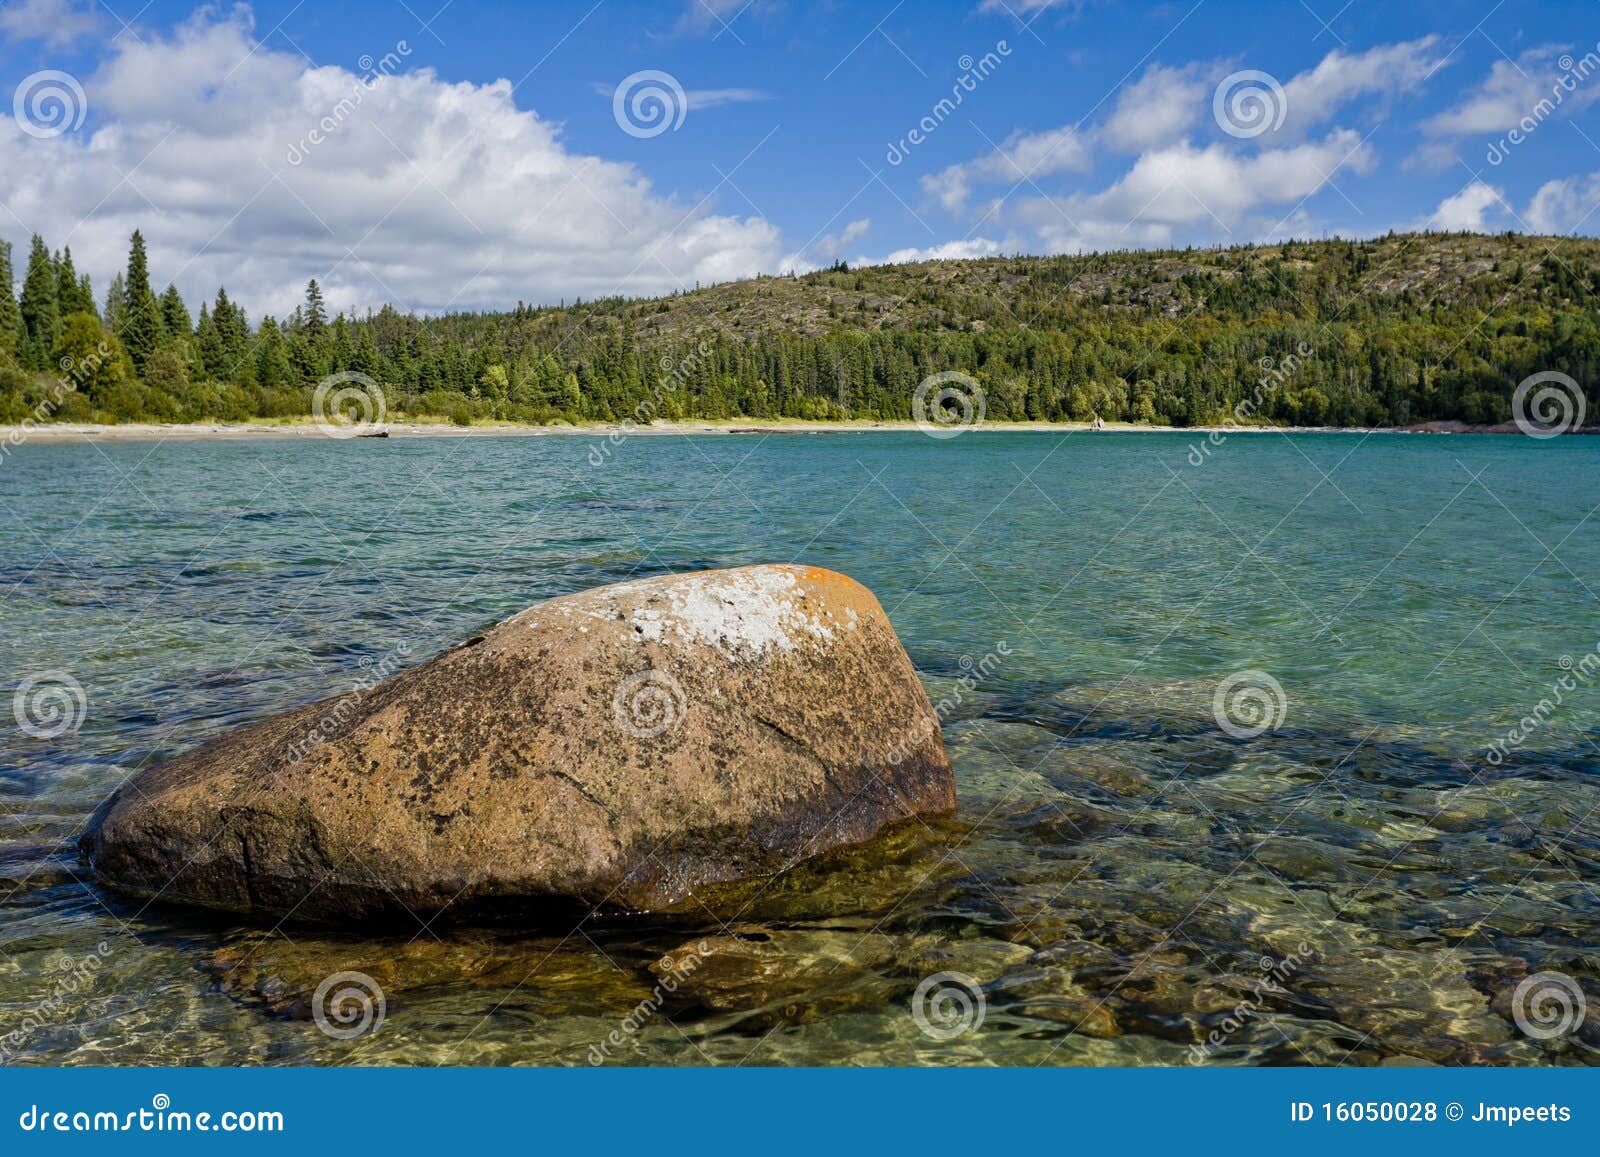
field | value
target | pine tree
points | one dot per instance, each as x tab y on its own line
315	314
175	315
72	294
272	359
41	317
213	358
142	331
10	315
115	314
364	359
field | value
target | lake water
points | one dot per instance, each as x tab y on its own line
1368	878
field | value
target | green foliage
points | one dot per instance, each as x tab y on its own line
142	330
41	317
10	314
89	358
1395	330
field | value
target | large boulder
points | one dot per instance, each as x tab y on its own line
615	749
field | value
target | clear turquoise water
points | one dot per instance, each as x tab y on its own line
1120	866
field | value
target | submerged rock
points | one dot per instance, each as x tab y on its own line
614	749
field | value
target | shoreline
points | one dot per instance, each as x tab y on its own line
13	436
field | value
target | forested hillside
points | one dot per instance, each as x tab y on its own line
1390	331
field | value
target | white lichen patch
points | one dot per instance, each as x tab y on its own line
749	613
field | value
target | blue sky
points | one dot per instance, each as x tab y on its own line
476	154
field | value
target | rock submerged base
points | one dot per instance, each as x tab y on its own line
615	749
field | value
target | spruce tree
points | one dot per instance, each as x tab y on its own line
69	289
175	315
272	359
142	331
116	310
10	315
41	317
315	314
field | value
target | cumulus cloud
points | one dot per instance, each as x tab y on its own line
949	250
1468	208
1565	205
1538	84
56	22
1023	157
1317	95
1185	190
1161	107
430	194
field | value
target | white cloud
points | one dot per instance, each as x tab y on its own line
1027	7
704	98
1023	157
949	250
827	249
1186	191
56	22
1158	108
1316	95
1535	86
1466	209
1565	205
429	194
700	99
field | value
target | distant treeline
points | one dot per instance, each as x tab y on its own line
1383	332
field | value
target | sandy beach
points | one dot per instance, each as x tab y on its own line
157	432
